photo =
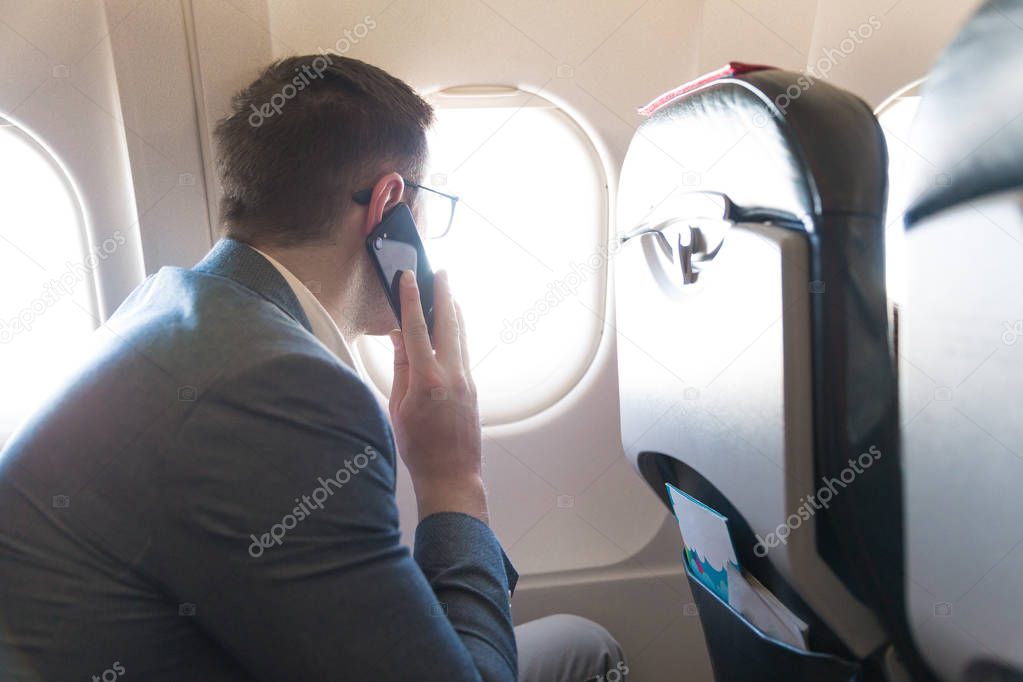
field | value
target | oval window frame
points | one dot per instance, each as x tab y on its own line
471	96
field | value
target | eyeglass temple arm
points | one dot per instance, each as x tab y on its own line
431	189
363	196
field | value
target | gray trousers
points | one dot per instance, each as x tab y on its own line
565	648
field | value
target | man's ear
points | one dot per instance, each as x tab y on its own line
387	193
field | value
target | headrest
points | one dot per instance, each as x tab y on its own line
969	126
767	138
729	69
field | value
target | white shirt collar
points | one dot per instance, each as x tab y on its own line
324	328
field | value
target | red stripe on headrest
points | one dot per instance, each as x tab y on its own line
729	69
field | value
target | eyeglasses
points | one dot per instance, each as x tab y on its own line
434	212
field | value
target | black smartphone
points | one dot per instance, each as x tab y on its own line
394	246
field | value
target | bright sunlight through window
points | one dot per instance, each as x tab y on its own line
48	302
896	118
527	251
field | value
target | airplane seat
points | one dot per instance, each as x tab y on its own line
756	368
960	356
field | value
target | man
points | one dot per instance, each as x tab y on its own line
211	497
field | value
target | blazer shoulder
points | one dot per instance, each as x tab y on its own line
229	345
311	385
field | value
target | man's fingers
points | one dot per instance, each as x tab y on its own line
399	385
414	332
445	324
463	342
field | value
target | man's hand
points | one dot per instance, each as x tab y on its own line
433	405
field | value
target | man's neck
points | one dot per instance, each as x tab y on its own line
328	277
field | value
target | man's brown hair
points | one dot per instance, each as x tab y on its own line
302	137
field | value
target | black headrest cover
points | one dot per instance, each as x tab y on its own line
969	127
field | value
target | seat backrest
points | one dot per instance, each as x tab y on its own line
755	363
961	355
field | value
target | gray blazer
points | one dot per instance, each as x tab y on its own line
211	497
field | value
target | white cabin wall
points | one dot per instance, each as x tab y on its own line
774	32
158	109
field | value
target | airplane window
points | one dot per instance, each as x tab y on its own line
48	303
527	251
896	118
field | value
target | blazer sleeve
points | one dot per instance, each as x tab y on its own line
281	528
